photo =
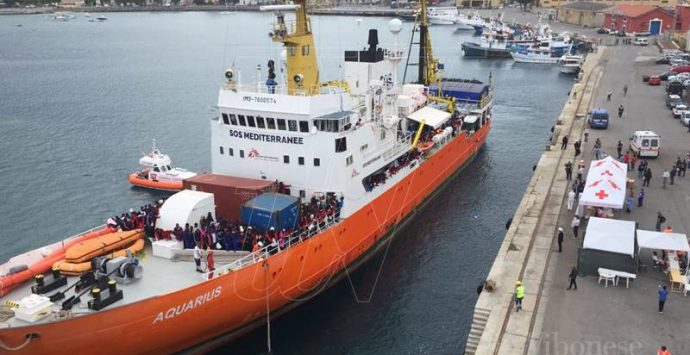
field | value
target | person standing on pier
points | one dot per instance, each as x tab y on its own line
560	238
626	160
573	278
674	172
576	225
663	351
586	134
663	293
564	142
608	95
577	146
571	199
519	295
625	90
569	171
619	149
665	176
647	176
620	111
640	198
660	219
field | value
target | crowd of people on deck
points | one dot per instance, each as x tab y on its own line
380	177
145	218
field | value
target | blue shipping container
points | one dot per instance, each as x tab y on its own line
271	210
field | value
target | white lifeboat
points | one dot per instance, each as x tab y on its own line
158	172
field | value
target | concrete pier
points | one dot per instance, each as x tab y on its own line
524	253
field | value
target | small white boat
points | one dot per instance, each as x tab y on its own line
570	64
159	173
442	15
101	18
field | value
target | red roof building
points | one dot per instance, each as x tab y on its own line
630	18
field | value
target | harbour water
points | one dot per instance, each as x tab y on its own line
81	100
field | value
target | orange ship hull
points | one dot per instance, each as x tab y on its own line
156	185
218	310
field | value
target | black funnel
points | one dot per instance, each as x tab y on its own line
373	40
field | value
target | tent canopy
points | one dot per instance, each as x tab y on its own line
186	206
662	241
610	235
431	116
605	186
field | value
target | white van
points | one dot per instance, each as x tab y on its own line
645	144
640	41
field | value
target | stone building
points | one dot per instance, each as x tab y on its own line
583	13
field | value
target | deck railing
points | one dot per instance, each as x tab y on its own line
294	238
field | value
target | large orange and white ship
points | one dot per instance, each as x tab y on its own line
381	149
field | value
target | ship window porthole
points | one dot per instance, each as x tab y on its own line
243	122
233	119
281	124
241	153
226	120
250	121
304	126
270	123
317	162
305	50
260	122
300	161
230	152
286	159
221	150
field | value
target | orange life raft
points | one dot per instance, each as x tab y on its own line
9	282
87	250
76	269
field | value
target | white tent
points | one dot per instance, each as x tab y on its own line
662	241
605	185
186	206
431	116
610	235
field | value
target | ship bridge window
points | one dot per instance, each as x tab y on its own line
221	150
304	126
291	51
281	124
300	160
233	119
292	125
305	50
250	121
340	144
270	123
317	162
226	120
242	120
260	122
231	152
286	159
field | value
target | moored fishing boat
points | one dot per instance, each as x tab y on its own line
491	45
570	64
373	153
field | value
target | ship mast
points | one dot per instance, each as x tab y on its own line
302	68
428	65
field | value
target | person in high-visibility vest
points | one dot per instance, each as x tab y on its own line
519	295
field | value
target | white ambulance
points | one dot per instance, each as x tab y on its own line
645	144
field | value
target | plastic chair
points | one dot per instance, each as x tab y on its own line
607	278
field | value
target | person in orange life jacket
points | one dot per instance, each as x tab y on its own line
663	351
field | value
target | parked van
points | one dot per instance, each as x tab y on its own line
599	118
645	144
640	41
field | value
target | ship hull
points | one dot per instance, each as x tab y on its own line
216	311
474	50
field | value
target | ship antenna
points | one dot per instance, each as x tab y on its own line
427	63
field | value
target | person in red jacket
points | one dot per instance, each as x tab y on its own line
210	263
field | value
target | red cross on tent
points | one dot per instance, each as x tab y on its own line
606	172
615	163
599	163
601	194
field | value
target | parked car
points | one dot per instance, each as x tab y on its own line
654	80
681	69
674	87
603	31
662	60
640	41
685	118
686	84
664	76
673	100
645	143
599	118
678	110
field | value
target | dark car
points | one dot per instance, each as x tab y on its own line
664	76
662	60
602	31
621	34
